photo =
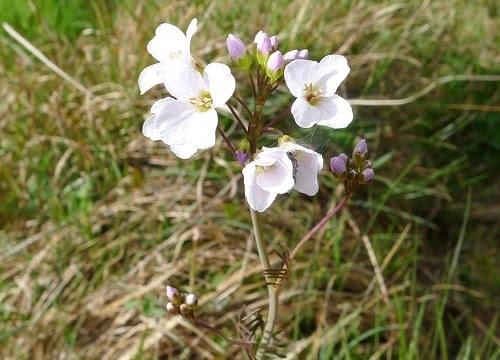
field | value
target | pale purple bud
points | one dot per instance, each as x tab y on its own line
290	55
303	54
235	47
338	164
274	41
361	148
259	37
242	157
173	294
191	300
263	43
368	174
275	61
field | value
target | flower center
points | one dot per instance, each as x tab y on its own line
203	102
312	94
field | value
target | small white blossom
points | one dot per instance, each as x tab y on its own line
314	85
307	164
169	46
270	174
188	122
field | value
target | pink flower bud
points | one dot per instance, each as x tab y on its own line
274	41
338	164
173	294
275	61
235	47
303	54
259	37
361	148
263	43
290	55
242	157
368	174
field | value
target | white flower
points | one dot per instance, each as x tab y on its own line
307	163
270	174
189	122
314	85
169	46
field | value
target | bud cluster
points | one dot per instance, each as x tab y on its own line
181	303
355	171
264	52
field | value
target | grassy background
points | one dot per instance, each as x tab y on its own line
95	219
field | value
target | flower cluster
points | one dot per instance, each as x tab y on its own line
181	303
355	171
187	120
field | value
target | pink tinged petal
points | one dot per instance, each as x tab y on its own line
333	70
274	41
275	61
183	151
336	112
305	114
309	163
303	54
300	73
184	82
220	83
290	55
235	47
191	30
150	76
169	44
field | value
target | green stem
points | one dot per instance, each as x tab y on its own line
272	291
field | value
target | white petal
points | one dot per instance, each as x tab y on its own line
191	30
171	120
200	128
305	114
276	178
160	104
333	70
220	83
184	151
149	130
169	44
184	82
150	76
300	73
309	163
258	199
336	112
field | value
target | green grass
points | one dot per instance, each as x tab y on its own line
95	219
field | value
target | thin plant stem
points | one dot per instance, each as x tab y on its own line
242	103
330	214
254	91
271	289
236	116
227	141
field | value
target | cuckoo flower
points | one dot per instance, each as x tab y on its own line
169	46
307	163
314	85
270	174
188	122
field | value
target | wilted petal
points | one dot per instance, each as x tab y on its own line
300	73
305	114
220	83
336	112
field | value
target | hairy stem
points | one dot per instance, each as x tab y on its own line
320	224
272	291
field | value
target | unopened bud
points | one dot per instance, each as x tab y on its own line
173	294
290	55
235	47
361	148
191	300
263	43
274	41
242	157
368	174
303	54
171	308
338	164
275	61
